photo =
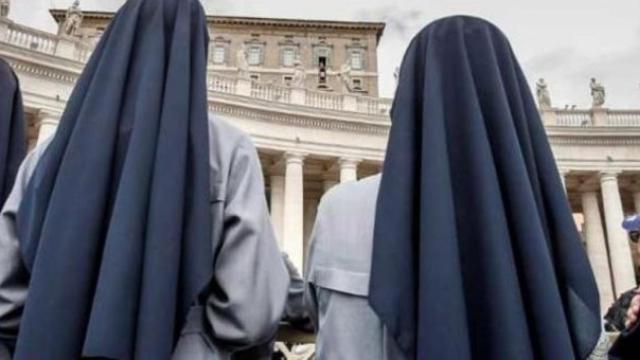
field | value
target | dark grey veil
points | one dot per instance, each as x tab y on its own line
114	227
476	253
13	134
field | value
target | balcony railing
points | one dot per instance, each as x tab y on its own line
43	42
227	84
599	117
77	50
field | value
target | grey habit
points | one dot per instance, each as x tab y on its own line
337	278
241	315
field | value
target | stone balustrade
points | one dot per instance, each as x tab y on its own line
599	117
220	83
74	49
43	42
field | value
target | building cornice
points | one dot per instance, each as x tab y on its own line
60	14
289	118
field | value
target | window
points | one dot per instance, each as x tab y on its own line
287	79
254	77
357	84
219	55
219	51
288	57
357	60
255	55
322	52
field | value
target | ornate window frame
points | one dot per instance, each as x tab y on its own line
219	43
322	48
256	44
288	45
357	48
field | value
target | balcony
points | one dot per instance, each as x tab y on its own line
596	117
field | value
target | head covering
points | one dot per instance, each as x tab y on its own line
631	223
476	254
13	134
114	227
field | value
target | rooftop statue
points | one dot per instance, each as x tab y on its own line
597	93
5	6
73	20
542	91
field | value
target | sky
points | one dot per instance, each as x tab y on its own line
566	42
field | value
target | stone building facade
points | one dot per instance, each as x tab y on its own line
345	51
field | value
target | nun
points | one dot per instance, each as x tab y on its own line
140	229
623	315
337	276
474	251
13	137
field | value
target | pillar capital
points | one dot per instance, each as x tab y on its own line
348	162
48	116
609	175
348	169
294	157
47	123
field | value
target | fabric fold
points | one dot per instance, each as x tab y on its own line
13	132
115	225
476	255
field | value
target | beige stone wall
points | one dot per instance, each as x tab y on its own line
273	35
274	38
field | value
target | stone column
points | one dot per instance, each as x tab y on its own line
348	170
620	251
277	206
293	230
597	247
48	123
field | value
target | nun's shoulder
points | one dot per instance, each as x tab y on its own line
227	138
360	191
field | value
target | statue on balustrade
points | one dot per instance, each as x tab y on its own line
597	93
5	6
299	73
542	90
345	77
242	63
73	20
